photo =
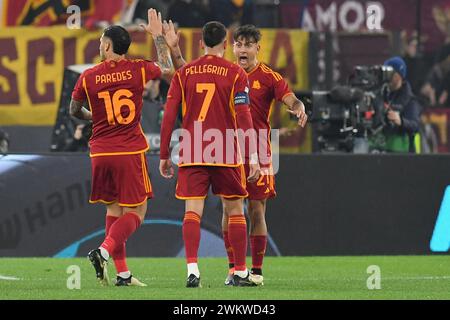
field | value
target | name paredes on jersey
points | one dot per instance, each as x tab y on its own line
207	68
113	77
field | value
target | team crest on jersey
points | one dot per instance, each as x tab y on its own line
256	85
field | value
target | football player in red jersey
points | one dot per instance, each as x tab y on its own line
213	93
266	87
113	91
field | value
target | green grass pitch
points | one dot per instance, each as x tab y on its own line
287	278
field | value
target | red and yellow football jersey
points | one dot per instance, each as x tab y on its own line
114	90
209	89
266	87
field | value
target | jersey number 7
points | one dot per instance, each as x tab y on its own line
210	88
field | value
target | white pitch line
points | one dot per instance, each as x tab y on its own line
419	278
364	279
8	278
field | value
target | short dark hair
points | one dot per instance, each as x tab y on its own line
213	33
247	32
120	39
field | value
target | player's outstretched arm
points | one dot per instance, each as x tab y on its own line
174	99
155	28
245	123
169	118
297	108
78	111
173	39
168	122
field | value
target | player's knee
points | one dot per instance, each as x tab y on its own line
224	210
257	218
256	208
195	206
256	211
140	215
232	207
114	210
140	211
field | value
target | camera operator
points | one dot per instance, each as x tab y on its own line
402	110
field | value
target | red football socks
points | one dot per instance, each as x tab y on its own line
258	247
237	234
229	249
109	222
119	255
120	231
191	235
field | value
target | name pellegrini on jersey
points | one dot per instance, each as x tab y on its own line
207	68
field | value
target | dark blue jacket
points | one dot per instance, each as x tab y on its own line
404	101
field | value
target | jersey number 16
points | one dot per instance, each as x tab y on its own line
113	107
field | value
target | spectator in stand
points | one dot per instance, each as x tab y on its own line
414	62
189	13
437	84
232	13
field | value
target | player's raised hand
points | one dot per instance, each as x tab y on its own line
255	173
166	168
172	37
154	25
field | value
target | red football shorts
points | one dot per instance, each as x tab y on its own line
120	178
194	181
264	188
